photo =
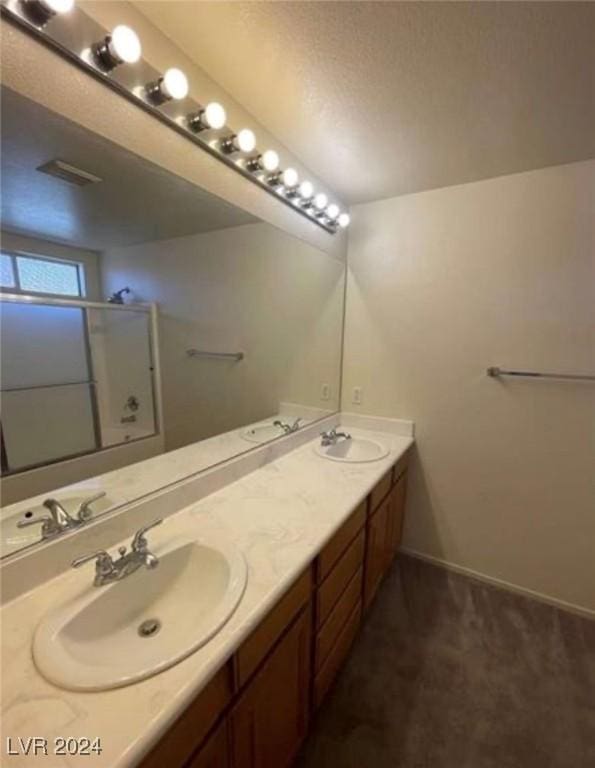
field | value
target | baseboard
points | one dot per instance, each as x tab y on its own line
586	613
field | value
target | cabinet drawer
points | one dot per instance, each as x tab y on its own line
340	541
396	515
376	550
338	617
333	586
338	654
264	637
380	490
187	733
401	465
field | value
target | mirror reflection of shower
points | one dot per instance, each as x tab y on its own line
77	377
117	297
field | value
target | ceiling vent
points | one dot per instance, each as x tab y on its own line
69	173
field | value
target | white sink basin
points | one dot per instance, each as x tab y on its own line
353	450
114	635
262	433
13	538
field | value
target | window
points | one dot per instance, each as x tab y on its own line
23	273
6	271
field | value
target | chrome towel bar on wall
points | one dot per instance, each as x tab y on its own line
495	372
237	356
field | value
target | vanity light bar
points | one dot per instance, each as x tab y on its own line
41	11
173	85
121	47
213	116
205	126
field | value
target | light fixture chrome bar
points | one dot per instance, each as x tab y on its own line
62	41
88	382
495	372
237	356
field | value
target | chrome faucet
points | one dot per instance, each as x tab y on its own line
288	428
108	570
84	512
59	519
331	437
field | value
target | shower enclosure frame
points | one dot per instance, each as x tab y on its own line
155	370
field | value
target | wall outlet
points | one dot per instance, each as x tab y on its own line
325	392
356	398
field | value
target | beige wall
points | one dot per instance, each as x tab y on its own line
251	289
443	284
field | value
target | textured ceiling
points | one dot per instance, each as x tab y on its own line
136	202
381	99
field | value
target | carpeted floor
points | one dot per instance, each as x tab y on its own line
451	673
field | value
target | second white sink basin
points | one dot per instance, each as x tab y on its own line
353	450
114	635
262	433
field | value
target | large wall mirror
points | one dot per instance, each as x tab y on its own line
141	315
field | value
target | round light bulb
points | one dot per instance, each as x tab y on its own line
320	201
332	211
306	190
246	140
270	160
344	220
215	116
175	84
59	6
290	178
125	44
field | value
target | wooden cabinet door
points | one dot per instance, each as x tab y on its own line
193	725
214	753
270	720
376	545
396	515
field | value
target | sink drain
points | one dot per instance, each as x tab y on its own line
149	628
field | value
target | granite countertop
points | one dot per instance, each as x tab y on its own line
133	481
279	516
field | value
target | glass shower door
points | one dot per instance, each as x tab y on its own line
120	344
48	397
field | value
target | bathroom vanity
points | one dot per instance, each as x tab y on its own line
255	711
318	537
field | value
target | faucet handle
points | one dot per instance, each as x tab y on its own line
103	560
139	542
84	511
34	521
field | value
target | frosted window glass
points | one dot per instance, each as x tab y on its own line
48	276
6	272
